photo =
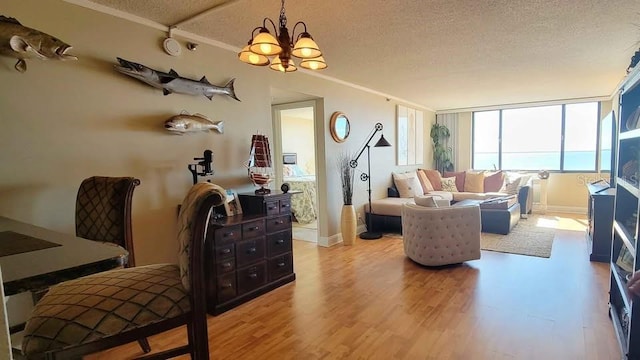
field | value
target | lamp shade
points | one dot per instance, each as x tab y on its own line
265	44
251	58
314	64
306	48
382	142
276	64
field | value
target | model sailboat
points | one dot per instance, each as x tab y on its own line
260	165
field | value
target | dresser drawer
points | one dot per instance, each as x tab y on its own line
253	229
272	207
285	206
225	266
252	277
278	223
228	234
278	243
226	287
250	251
280	266
224	252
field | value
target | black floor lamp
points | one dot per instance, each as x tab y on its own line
369	235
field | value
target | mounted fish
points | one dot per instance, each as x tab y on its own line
22	43
172	82
185	123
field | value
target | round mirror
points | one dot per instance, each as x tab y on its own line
339	126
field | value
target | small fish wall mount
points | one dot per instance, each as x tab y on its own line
186	123
171	82
20	42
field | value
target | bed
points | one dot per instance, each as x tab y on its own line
303	202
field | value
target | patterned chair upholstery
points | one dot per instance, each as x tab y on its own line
108	309
103	211
441	236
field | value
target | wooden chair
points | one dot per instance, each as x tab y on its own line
103	211
108	309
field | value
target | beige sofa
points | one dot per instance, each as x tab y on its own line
441	236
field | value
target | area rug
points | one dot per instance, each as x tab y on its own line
532	237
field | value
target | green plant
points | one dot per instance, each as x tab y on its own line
346	177
441	152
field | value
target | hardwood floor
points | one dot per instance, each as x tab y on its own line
370	301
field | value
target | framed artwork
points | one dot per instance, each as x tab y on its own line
410	136
232	206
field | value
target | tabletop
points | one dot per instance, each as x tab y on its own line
60	257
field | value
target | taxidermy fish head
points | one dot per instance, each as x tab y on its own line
179	125
42	46
135	70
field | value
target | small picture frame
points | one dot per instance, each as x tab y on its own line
232	206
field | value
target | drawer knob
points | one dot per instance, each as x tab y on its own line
253	228
271	207
279	242
227	286
279	222
225	251
228	234
285	205
251	250
253	276
280	264
226	265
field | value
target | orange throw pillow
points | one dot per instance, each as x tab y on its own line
424	181
434	178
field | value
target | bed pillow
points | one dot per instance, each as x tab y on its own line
407	184
474	182
434	178
459	175
424	181
449	184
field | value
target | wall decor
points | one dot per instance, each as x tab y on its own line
410	136
205	163
22	43
232	205
171	82
186	123
260	165
339	126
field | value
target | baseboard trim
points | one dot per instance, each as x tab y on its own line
562	209
337	238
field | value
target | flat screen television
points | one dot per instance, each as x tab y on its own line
607	150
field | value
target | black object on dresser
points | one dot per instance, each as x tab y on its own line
249	254
600	216
623	310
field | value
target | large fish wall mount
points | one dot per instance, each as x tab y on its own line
171	82
20	42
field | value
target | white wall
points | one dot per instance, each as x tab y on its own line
298	138
65	121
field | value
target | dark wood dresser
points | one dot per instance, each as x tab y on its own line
249	254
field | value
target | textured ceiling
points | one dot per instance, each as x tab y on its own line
441	54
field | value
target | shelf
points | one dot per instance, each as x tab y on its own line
628	186
627	239
617	327
630	134
622	287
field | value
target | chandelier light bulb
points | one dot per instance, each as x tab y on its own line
306	52
254	58
266	48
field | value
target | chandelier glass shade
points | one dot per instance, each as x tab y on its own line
281	47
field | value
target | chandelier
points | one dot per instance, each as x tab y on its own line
263	45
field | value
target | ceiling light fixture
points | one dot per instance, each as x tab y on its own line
263	45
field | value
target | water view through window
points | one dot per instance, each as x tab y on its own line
532	138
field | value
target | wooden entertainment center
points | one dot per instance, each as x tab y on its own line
600	216
249	254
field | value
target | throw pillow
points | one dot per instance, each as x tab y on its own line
407	184
424	181
449	184
434	178
493	182
474	182
459	175
426	201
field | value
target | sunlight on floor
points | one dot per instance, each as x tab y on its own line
571	222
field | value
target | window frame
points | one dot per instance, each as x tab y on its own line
562	139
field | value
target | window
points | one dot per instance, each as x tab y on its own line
558	137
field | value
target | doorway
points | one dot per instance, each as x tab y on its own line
296	165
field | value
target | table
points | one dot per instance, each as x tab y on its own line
497	221
69	258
